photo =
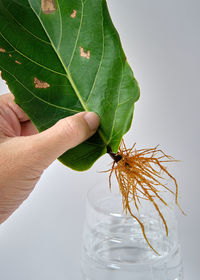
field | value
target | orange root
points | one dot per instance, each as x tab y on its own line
140	174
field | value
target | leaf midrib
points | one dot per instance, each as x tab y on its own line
67	71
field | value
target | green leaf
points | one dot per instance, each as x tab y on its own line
64	60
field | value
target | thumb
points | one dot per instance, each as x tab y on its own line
64	135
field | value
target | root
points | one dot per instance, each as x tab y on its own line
140	174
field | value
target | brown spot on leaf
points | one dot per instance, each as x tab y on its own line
18	62
40	84
48	6
84	54
74	13
2	50
10	55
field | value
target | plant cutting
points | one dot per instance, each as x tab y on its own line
60	58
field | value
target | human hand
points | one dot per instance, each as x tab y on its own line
25	153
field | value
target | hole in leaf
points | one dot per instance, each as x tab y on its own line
84	54
40	84
48	6
74	13
18	62
2	50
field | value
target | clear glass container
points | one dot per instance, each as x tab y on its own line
113	244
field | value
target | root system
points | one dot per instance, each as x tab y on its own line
142	174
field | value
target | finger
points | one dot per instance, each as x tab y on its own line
9	99
28	128
64	135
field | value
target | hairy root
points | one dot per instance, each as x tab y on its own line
140	174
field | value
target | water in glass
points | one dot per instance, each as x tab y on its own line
114	247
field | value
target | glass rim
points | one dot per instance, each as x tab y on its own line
99	209
170	206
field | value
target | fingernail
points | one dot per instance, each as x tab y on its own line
93	120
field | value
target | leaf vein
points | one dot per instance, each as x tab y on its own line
33	61
78	35
61	27
102	56
24	28
37	97
114	119
124	102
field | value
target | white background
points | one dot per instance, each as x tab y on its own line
162	42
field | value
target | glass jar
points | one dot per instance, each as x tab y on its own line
114	247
